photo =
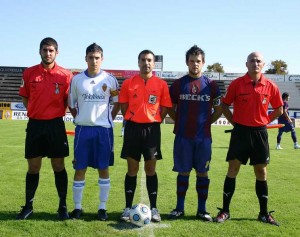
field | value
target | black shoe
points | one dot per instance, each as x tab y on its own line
76	213
24	213
102	215
268	218
63	213
204	216
175	214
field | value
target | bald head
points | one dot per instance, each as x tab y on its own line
255	63
255	55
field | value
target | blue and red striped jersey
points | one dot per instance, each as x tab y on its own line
194	98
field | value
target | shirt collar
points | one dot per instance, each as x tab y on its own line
248	79
52	70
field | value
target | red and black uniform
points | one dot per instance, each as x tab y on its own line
250	115
142	129
47	93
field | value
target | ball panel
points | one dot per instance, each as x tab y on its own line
140	215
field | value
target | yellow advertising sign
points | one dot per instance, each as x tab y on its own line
5	114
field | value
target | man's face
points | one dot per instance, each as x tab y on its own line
94	61
255	63
146	63
48	54
195	64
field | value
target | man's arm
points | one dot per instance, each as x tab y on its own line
286	115
115	110
171	112
124	107
73	111
227	113
25	101
216	114
275	114
163	112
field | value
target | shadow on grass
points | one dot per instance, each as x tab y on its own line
6	216
113	218
87	216
220	147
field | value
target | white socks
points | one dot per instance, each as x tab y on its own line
104	186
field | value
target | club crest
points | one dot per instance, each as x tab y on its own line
194	89
104	87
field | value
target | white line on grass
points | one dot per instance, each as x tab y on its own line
147	230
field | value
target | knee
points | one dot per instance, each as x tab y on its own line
150	170
261	175
232	172
58	165
79	175
33	169
260	172
132	170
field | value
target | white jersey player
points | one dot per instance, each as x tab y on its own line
89	102
91	96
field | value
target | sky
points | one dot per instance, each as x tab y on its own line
227	30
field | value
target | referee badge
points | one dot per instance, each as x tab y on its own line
152	99
56	88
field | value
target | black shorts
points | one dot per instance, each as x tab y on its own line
46	138
249	142
141	139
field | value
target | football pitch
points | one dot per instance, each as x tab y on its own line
283	182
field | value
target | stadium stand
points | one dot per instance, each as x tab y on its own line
10	81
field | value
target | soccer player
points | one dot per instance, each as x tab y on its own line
288	124
89	101
44	92
250	95
144	100
196	105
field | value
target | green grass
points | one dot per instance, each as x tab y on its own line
283	181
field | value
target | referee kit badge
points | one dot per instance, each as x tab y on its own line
56	88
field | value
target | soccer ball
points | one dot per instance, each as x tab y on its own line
140	215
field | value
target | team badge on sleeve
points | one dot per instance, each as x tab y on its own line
22	83
217	101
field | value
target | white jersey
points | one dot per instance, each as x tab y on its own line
91	96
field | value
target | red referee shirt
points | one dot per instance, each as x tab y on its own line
46	90
144	98
250	103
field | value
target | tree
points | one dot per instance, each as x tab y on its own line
216	67
277	67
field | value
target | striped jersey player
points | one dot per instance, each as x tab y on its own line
196	105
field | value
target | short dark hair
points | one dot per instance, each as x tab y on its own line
49	42
285	95
146	51
195	50
94	48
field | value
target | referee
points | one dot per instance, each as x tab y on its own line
44	92
251	96
144	100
